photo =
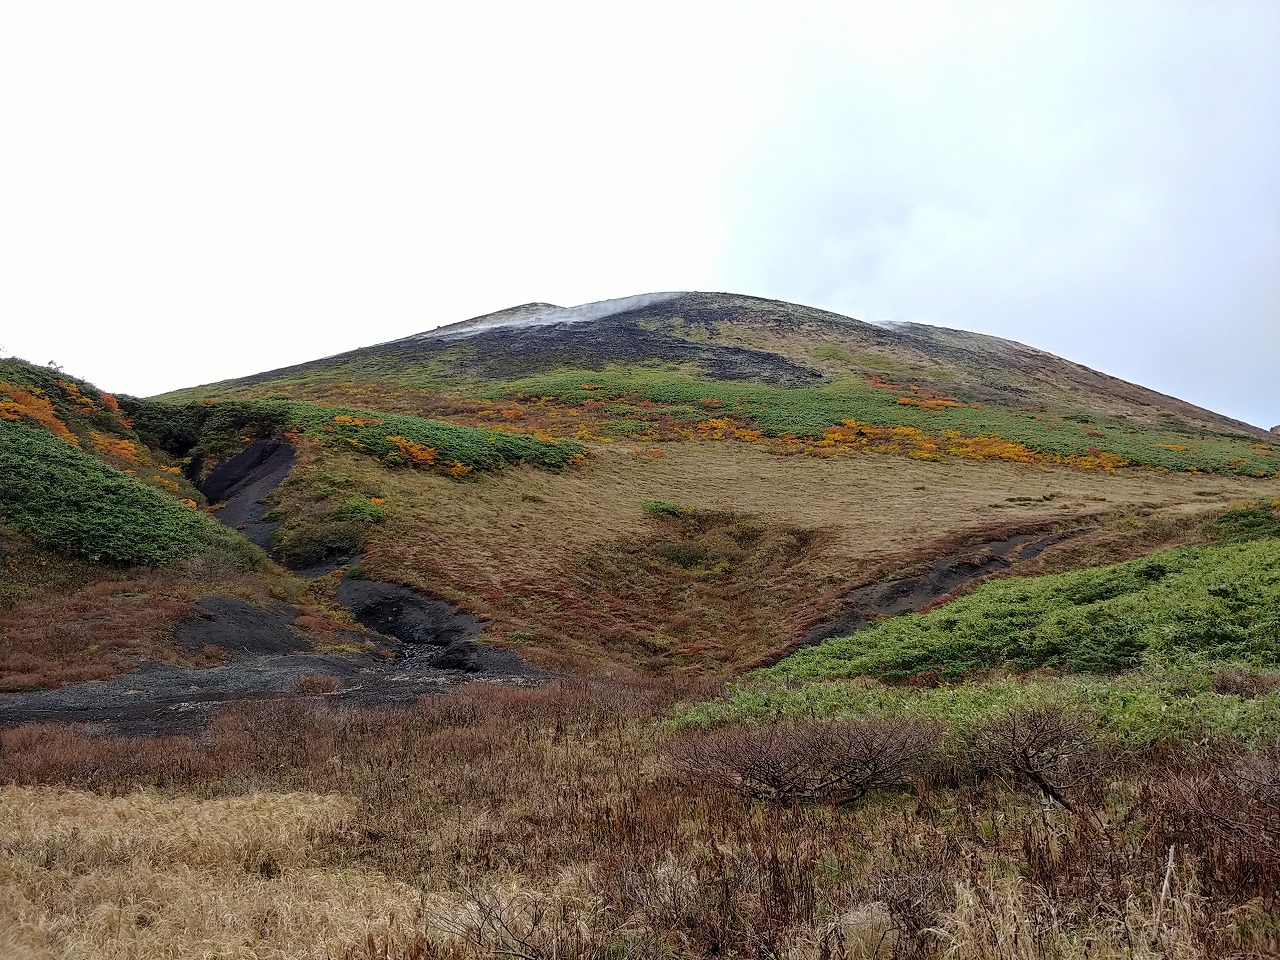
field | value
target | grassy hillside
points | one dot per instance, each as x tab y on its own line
1158	647
79	480
1219	602
750	369
106	543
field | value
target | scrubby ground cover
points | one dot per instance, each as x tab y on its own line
70	620
574	570
945	426
1218	601
811	811
105	545
576	822
845	415
215	428
1148	646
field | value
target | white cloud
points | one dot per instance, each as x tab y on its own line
195	191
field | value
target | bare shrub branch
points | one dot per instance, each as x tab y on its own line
1053	749
836	762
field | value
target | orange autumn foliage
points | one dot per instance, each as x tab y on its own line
116	447
415	453
914	442
21	403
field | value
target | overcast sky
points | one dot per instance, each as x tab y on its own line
199	190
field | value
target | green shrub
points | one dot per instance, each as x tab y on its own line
67	500
361	509
220	428
302	542
1250	523
1153	704
1221	602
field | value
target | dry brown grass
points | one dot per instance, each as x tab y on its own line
92	621
144	875
571	569
544	823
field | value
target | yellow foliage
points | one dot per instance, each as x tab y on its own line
356	421
119	448
72	393
415	453
21	403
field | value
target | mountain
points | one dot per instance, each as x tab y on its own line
728	337
796	636
671	483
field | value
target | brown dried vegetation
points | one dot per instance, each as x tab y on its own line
68	621
552	822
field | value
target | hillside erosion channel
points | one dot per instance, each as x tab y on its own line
420	645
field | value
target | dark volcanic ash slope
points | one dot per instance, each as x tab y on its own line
534	338
242	482
738	338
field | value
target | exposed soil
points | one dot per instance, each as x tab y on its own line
518	352
242	482
270	658
515	351
161	699
420	645
444	637
865	605
239	628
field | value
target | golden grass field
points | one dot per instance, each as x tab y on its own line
572	564
547	824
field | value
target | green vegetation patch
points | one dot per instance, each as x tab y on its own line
1250	523
470	447
206	429
1221	602
221	428
1172	702
69	501
1182	646
324	513
809	412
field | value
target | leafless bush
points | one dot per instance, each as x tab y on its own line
804	762
1228	812
1245	683
1055	750
531	925
914	900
